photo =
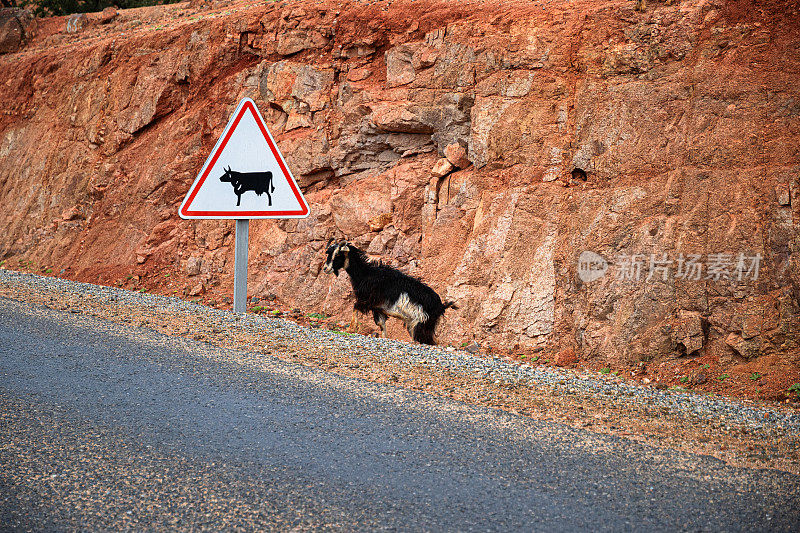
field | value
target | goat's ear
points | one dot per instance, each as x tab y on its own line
345	247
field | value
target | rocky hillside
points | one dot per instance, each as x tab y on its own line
615	182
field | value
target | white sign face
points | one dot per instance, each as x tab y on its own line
245	176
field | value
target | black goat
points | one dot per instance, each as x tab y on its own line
258	182
388	292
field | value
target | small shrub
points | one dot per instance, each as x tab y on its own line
318	316
722	377
795	389
48	271
755	376
605	370
706	365
684	379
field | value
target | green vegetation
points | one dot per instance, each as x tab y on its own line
706	365
605	370
795	389
755	376
722	377
258	309
684	379
318	316
45	8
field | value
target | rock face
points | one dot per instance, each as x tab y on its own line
479	146
17	26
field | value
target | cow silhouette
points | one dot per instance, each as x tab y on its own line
258	182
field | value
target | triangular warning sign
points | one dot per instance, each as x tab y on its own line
245	176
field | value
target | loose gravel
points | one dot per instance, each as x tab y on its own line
383	360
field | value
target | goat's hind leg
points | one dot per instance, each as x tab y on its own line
424	333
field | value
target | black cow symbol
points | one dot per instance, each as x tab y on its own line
258	182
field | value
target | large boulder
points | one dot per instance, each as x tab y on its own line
17	26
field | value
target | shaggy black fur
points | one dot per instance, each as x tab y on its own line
378	287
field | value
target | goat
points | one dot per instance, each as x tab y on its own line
258	182
387	292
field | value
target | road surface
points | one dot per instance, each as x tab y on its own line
111	427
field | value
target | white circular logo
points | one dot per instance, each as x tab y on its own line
591	266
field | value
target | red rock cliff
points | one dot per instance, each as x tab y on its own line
482	146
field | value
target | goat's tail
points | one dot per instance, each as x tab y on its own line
449	305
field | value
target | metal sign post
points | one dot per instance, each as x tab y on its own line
240	266
244	177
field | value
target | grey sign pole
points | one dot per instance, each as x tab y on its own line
210	197
240	266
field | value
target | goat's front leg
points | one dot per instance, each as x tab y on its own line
353	328
380	319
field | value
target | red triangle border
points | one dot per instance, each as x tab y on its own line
248	106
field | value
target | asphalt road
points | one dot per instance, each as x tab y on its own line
107	427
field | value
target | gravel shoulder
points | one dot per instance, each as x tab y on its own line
741	433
